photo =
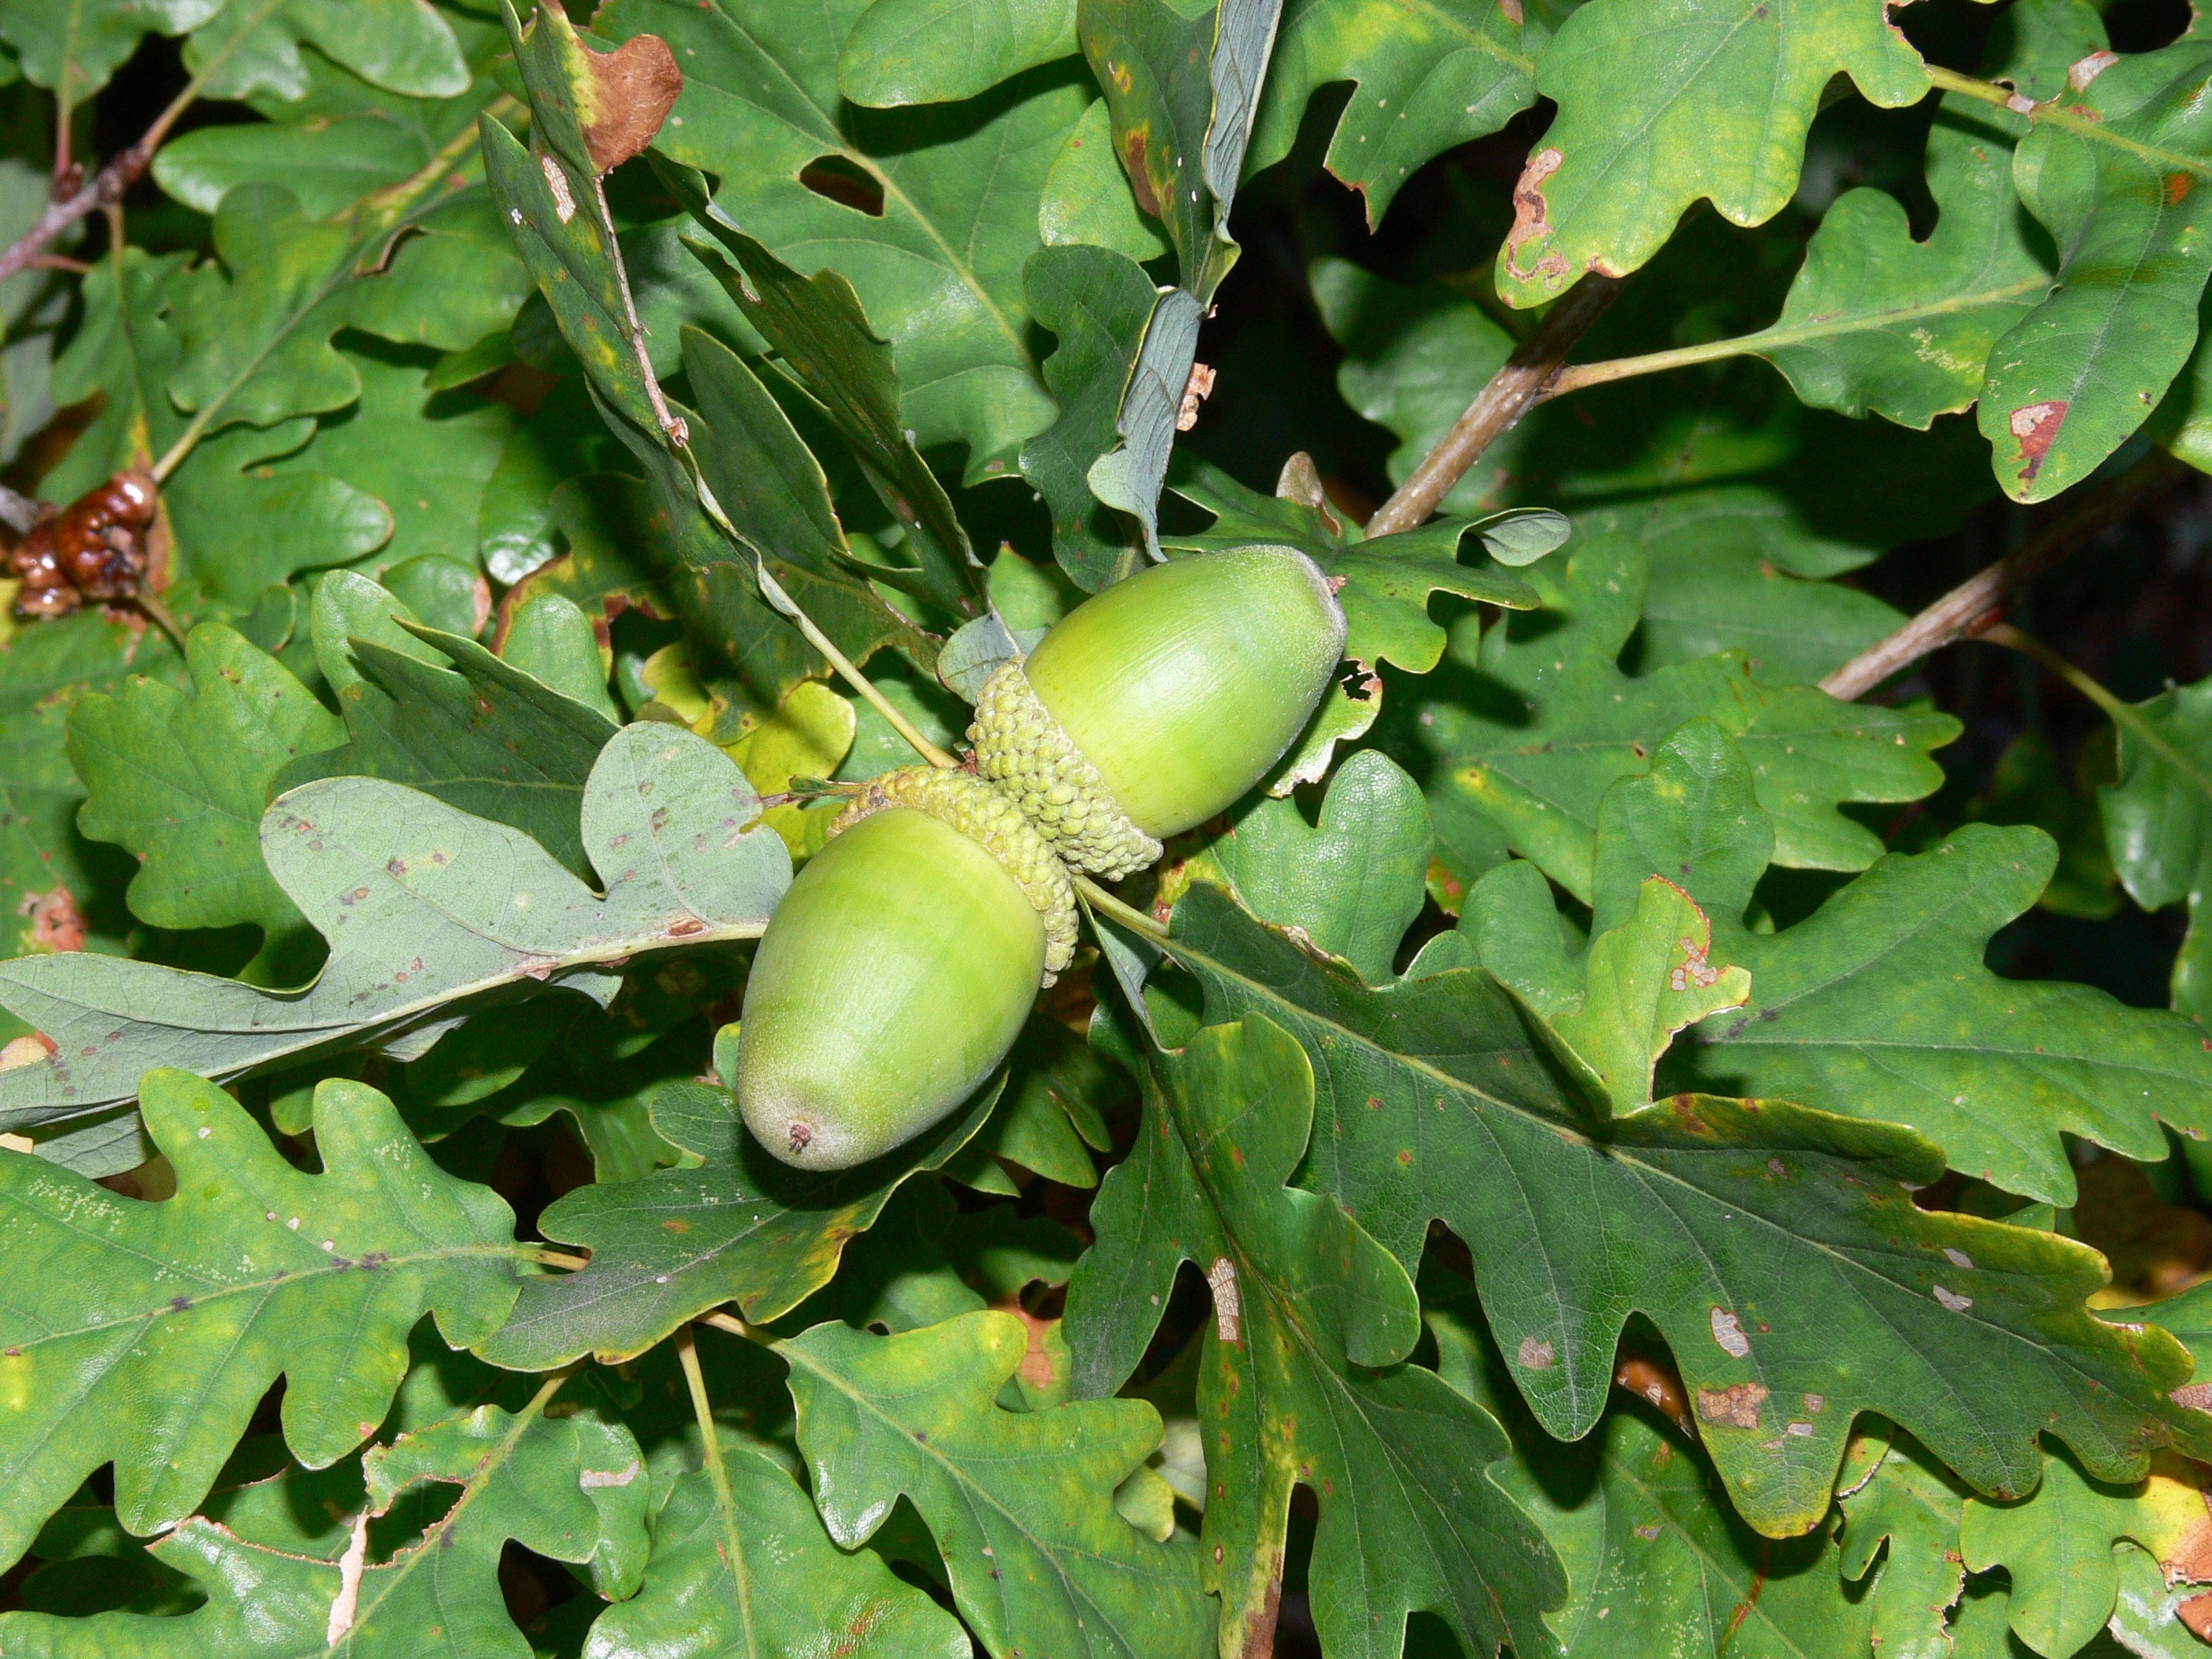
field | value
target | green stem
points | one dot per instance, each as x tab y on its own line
2125	715
158	613
549	1258
1128	915
737	1326
718	1473
2082	126
1577	376
847	669
687	1355
542	1397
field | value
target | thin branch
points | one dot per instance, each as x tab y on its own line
860	682
1508	396
111	184
1979	602
114	181
18	511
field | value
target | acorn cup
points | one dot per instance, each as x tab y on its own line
898	969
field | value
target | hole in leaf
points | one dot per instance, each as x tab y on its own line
837	179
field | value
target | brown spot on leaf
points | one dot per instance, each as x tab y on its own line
2188	1558
1259	1622
1514	15
1228	1301
1530	212
1037	1368
2196	1614
1728	1331
1536	1354
2036	428
1737	1405
2176	187
26	1051
2080	73
1196	390
1135	145
56	922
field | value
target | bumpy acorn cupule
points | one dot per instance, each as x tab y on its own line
897	969
1175	690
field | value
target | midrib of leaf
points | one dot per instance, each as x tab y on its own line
376	218
1473	36
1636	135
388	1580
1286	1310
1653	1177
259	1288
978	1495
2088	361
836	141
2081	126
65	94
726	1503
617	951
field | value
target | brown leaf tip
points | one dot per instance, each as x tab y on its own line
633	89
2036	428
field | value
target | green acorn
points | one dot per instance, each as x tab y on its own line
1151	707
898	970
